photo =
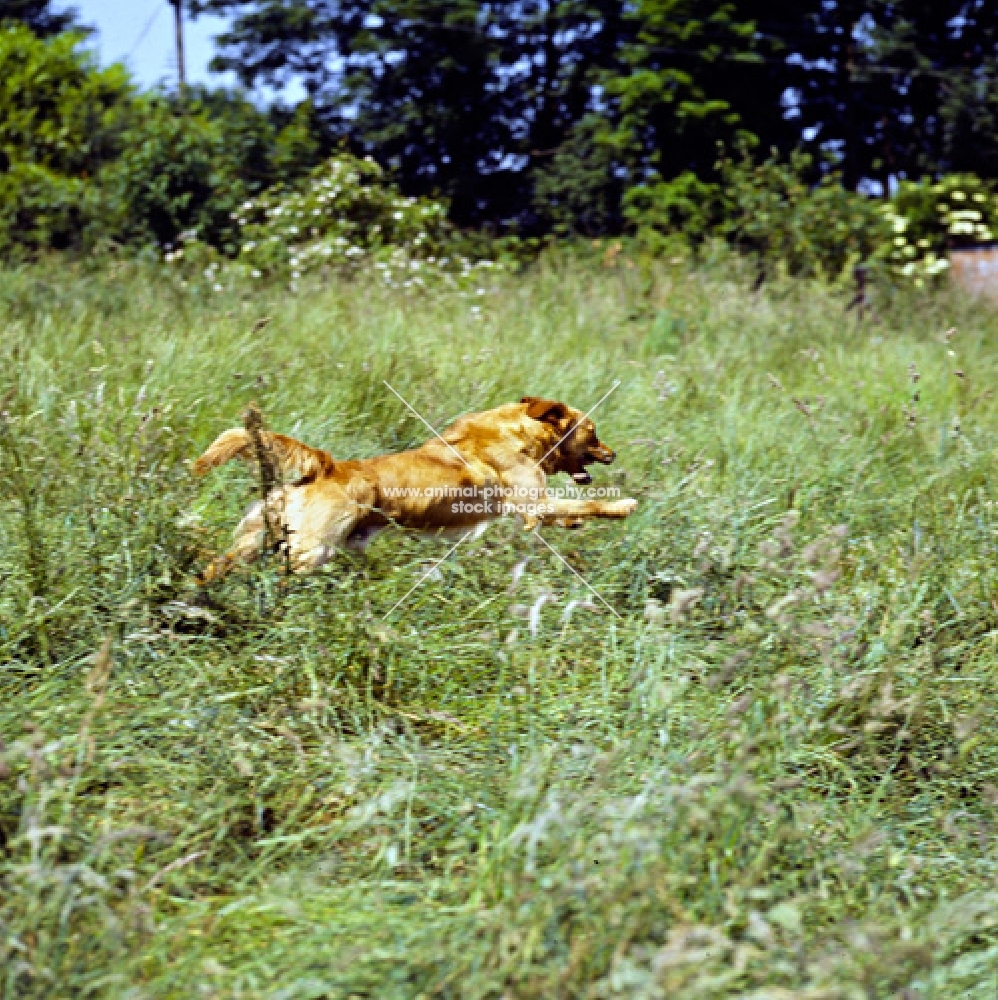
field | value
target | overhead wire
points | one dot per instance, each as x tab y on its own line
145	31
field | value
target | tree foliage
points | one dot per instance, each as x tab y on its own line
530	116
513	109
899	87
61	118
38	15
460	99
85	155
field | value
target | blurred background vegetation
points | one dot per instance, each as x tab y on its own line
814	134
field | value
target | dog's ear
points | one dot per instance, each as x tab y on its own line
548	410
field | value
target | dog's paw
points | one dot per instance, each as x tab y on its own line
626	507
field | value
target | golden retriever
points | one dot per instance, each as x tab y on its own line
485	465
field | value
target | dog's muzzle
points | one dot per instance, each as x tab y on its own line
603	455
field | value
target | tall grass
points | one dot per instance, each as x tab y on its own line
775	774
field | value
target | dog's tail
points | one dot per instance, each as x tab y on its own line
288	454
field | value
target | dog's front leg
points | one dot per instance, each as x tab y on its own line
569	512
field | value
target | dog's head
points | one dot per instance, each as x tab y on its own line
574	443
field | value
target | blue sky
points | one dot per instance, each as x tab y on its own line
140	34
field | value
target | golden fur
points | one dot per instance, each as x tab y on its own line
500	459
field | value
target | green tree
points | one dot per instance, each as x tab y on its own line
944	108
893	88
460	99
671	114
534	111
61	119
83	154
38	15
185	166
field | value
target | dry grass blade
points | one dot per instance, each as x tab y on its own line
96	686
269	472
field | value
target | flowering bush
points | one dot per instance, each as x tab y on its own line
927	218
773	211
346	215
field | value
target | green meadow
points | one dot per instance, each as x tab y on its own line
765	767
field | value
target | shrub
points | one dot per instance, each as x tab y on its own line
770	209
813	229
345	215
685	204
175	174
928	217
61	117
576	190
41	208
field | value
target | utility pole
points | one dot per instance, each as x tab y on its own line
178	20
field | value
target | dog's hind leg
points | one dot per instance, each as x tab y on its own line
250	538
312	545
244	552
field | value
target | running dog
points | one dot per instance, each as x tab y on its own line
485	465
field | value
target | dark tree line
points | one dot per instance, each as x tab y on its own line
41	16
544	112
